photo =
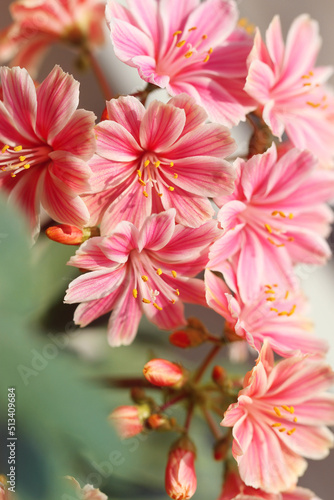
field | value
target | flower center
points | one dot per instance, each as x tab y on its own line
312	89
17	159
278	232
285	413
271	297
151	172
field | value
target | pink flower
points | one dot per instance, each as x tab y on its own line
88	492
290	89
141	271
186	46
151	160
180	479
164	373
129	420
46	143
235	489
280	417
275	218
275	315
39	24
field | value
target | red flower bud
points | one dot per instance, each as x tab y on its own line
180	479
218	375
70	235
164	373
128	420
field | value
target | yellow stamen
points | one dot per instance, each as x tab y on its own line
177	292
270	291
193	28
175	176
291	431
311	73
181	43
277	424
204	37
268	228
292	410
4	149
286	295
160	194
277	411
174	274
157	164
13	175
22	158
268	286
295	419
157	307
159	272
292	310
210	50
135	293
270	299
306	76
312	104
206	59
286	408
283	313
171	188
18	148
142	182
173	301
26	166
306	84
274	309
291	239
145	194
290	216
282	429
171	164
188	54
144	278
177	33
147	162
146	301
139	173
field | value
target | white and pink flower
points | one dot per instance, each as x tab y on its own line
280	417
141	271
151	160
46	142
187	46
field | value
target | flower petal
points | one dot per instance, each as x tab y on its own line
115	143
127	111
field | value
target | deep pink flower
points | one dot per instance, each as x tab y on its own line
45	144
290	90
280	417
187	46
275	315
180	478
275	218
235	489
151	160
141	271
39	24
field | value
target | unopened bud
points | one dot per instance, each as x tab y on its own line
193	335
71	235
88	492
128	420
158	422
218	375
221	448
180	479
164	373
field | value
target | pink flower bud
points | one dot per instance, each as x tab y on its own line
70	235
164	373
180	479
128	420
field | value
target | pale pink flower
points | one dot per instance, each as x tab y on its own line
88	492
187	46
180	479
290	90
235	489
141	271
275	315
151	160
129	420
40	23
164	373
280	417
275	218
46	142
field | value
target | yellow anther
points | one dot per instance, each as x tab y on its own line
193	28
147	162
275	284
311	73
286	408
177	292
204	37
171	188
188	54
292	410
290	216
306	84
171	164
13	175
277	424
173	301
160	194
18	148
177	33
157	307
283	313
157	164
174	274
274	309
277	411
282	429
268	286
269	291
159	272
144	278
210	50
282	214
4	149
242	22
139	173
313	104
26	166
145	194
295	419
292	310
286	295
270	299
206	59
22	158
291	239
181	43
146	301
135	293
291	431
268	228
175	176
306	76
142	182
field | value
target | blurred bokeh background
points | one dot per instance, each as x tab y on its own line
61	415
